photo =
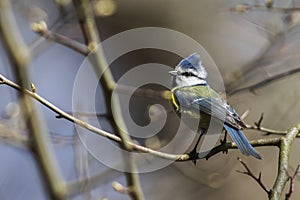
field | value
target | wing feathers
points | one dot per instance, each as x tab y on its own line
241	142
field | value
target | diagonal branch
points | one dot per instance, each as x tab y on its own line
265	82
292	186
41	29
250	173
20	57
88	26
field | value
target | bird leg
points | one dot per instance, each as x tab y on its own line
224	138
223	142
193	154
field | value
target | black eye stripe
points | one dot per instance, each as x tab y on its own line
188	74
191	75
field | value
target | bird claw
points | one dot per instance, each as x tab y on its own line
223	141
194	156
225	151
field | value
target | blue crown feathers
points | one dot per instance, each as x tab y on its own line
191	62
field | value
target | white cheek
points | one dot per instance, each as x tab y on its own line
184	81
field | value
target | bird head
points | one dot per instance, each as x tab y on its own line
189	72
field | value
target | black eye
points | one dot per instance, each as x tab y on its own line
187	74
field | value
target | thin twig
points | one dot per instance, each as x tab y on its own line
258	123
41	29
242	8
250	173
231	145
257	126
292	184
82	167
265	82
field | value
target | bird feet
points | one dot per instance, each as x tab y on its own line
194	155
223	142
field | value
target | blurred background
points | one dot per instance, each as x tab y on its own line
248	44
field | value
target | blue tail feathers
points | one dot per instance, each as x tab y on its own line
241	142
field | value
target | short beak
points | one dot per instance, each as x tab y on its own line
173	73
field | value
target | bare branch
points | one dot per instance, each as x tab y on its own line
268	7
89	29
257	126
291	178
250	173
231	145
284	154
265	82
259	121
88	26
41	29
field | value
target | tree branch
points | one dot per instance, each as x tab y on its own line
291	178
284	155
257	126
20	57
42	30
265	82
268	7
88	26
283	176
250	173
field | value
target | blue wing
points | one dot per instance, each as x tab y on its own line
241	142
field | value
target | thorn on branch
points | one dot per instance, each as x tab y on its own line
250	173
245	114
254	91
33	88
258	124
292	184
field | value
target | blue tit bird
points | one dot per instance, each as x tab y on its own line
193	99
